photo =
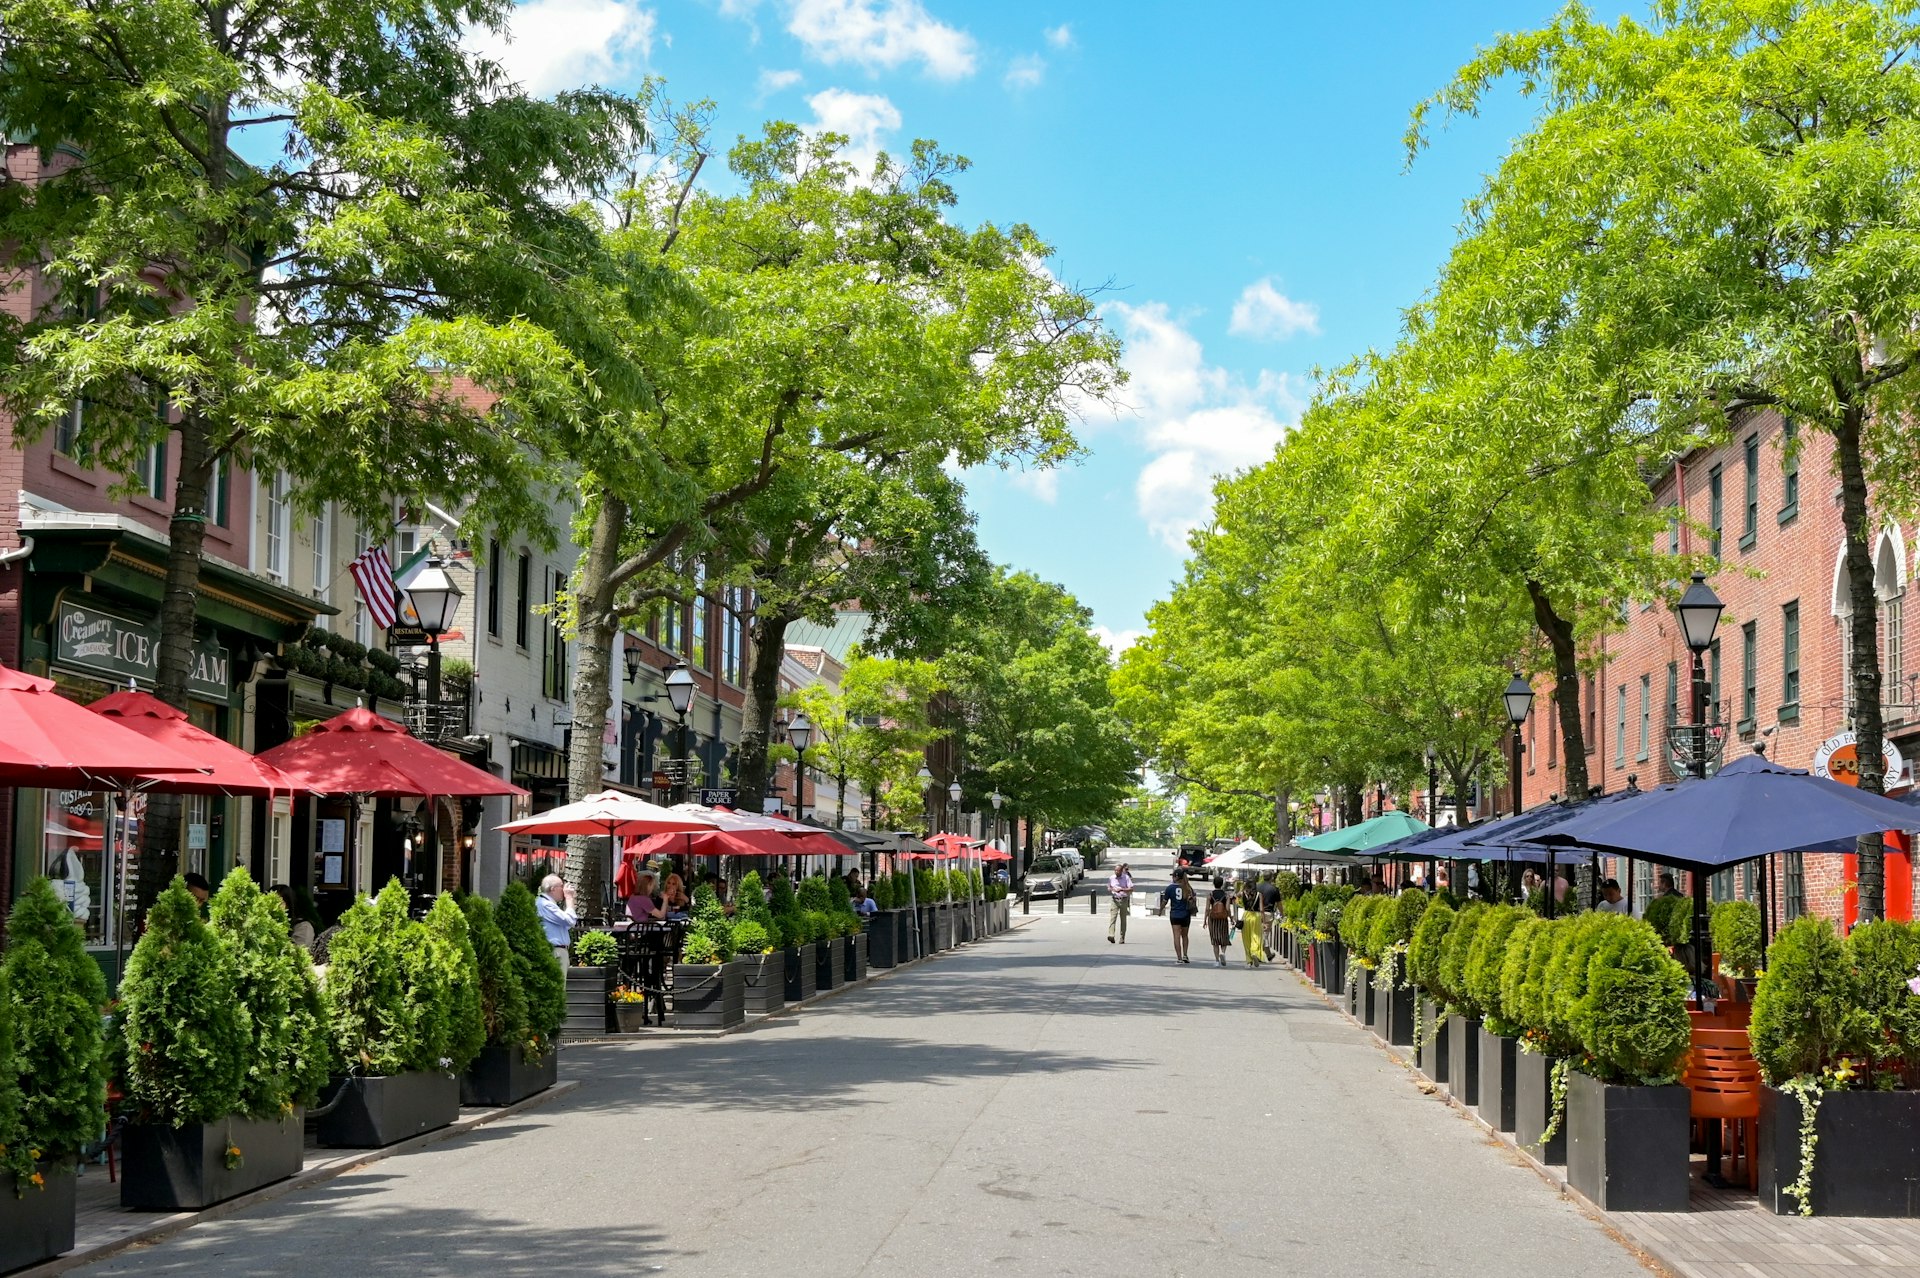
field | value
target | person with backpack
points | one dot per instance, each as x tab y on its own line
1219	919
1250	938
1179	904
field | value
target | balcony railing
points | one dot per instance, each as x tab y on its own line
443	720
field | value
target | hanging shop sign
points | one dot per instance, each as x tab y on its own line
1838	759
100	641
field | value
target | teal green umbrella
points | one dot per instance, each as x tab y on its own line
1385	828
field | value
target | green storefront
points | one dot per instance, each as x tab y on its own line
90	623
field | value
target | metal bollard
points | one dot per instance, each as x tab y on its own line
1026	900
1060	901
1093	902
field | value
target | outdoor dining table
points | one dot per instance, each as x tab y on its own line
646	952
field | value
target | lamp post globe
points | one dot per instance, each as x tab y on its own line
435	597
800	733
1519	699
680	688
1699	610
631	656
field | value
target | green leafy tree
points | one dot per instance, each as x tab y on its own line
874	730
539	972
1141	820
188	1040
503	998
55	994
288	1057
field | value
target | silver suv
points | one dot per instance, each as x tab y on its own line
1048	876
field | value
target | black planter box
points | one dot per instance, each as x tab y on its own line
1533	1108
1323	965
376	1110
800	973
1627	1146
883	931
1866	1162
827	965
943	927
929	931
1499	1069
1432	1047
1377	1005
185	1168
709	996
507	1075
587	1014
856	953
1350	991
1365	997
1463	1059
36	1224
1399	1017
763	983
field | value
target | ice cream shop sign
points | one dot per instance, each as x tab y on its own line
99	641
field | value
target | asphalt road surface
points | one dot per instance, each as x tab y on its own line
1041	1103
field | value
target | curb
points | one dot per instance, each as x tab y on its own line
166	1226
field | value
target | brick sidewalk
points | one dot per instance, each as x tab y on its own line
1726	1234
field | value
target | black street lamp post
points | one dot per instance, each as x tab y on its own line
436	600
1433	811
1699	611
799	736
953	808
680	689
925	778
1519	699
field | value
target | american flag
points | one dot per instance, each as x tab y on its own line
373	574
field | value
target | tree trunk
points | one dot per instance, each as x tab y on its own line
1864	625
596	627
767	644
186	533
1566	688
1352	805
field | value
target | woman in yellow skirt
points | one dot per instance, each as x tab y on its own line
1250	925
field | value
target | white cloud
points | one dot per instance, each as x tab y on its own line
1043	485
1060	37
1197	421
1025	71
865	119
881	35
1116	641
563	44
1263	311
772	82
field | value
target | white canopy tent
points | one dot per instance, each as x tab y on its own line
1236	857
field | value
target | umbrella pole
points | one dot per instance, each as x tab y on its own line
1766	902
1552	893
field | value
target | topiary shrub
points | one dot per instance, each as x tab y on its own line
185	1041
1671	917
786	914
750	936
1484	963
450	977
1803	1009
288	1058
1885	1032
369	1016
1452	970
16	1160
600	949
818	925
814	895
1289	884
882	892
1632	1021
1735	927
541	977
1423	951
710	923
1564	985
1514	966
1356	924
55	993
503	998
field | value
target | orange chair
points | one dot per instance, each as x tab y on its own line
1724	1080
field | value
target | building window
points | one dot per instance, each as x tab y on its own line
152	474
219	493
321	529
1642	883
1713	683
1789	471
1749	675
1793	889
1646	716
732	633
1790	659
1673	534
1715	510
523	583
494	575
1846	663
1750	528
66	431
1620	731
1593	714
362	619
279	524
1893	666
553	665
698	637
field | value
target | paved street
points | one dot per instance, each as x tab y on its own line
1042	1103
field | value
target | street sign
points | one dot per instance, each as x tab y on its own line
721	797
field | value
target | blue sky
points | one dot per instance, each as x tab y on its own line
1233	174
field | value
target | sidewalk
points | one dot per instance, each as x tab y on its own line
1726	1234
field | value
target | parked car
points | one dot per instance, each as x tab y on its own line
1192	857
1049	876
1075	862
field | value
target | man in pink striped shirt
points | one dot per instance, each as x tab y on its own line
1120	894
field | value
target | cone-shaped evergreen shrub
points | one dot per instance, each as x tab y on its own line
785	908
503	999
289	1057
15	1159
370	1014
1735	926
539	971
56	994
1453	956
711	929
1485	961
1672	918
1631	1020
1885	956
186	1039
450	981
1423	952
1803	1009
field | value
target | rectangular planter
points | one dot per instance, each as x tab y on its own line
1365	997
856	956
827	965
1533	1108
1463	1059
800	973
508	1075
185	1168
882	932
929	940
1432	1047
1399	1017
1325	963
1627	1146
763	983
376	1110
1499	1069
943	927
1866	1161
37	1223
587	1015
709	996
1377	1009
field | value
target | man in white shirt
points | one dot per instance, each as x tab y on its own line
1120	894
1610	898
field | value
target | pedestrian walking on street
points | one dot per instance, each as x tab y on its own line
1219	919
1120	899
1178	903
1250	940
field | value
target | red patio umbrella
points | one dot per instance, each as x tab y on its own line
227	768
49	742
359	752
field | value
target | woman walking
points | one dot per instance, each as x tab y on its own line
1179	903
1250	940
1219	919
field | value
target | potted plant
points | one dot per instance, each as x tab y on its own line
848	926
1462	1014
1836	1033
792	938
515	1062
1356	944
403	1008
1540	1066
220	1045
816	905
882	925
1735	927
1423	970
591	974
542	979
1499	1037
53	1087
755	935
629	1004
1392	934
708	992
1625	999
